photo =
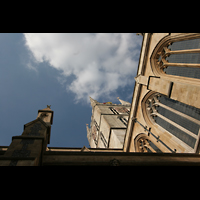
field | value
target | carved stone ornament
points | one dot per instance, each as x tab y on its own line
143	145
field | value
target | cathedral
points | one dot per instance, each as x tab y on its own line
161	126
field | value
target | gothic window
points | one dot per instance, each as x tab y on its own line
144	144
179	58
179	119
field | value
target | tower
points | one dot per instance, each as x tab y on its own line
108	124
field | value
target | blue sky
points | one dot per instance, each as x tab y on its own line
63	70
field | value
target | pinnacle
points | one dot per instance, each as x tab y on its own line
123	102
93	102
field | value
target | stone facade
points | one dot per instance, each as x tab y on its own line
165	114
108	124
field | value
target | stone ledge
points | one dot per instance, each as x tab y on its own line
86	158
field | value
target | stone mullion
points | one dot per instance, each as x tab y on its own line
165	63
167	51
177	125
177	112
155	113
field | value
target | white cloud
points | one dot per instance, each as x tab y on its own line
100	63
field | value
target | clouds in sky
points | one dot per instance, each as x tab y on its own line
100	63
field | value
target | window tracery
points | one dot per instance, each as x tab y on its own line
179	56
144	144
179	119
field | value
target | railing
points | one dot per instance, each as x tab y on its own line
157	138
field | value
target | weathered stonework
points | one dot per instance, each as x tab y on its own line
151	79
108	124
28	149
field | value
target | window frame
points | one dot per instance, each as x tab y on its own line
151	123
159	49
145	137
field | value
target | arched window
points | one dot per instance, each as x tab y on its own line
179	119
144	144
179	56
